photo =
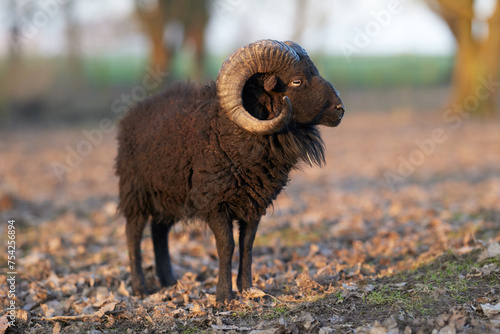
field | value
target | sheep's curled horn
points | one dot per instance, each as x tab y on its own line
264	56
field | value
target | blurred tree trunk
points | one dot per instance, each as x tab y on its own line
474	88
153	23
14	32
194	16
8	82
73	44
190	15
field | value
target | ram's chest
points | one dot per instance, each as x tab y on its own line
251	191
241	185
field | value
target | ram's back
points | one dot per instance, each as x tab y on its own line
160	141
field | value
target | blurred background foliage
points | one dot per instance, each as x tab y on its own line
71	61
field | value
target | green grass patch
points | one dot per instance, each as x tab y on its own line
357	71
441	283
275	313
385	296
415	71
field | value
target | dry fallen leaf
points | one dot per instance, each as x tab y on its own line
106	308
350	286
375	328
488	269
448	329
493	250
391	325
326	330
57	328
306	319
253	293
4	324
198	311
264	331
47	310
22	315
490	310
123	289
211	300
229	327
458	318
305	281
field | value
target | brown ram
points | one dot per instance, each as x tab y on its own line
221	153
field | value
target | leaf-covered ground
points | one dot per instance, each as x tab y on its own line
398	233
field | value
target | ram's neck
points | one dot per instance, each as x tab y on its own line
299	145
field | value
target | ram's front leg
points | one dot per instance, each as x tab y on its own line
247	237
222	227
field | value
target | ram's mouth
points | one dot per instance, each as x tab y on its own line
331	115
331	123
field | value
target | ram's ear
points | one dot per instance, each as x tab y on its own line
273	83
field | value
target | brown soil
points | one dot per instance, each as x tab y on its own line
398	233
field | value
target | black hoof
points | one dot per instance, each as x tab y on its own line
224	297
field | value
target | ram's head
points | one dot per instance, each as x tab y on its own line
266	86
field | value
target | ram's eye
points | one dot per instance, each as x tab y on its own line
296	82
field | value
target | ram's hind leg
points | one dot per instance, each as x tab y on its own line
134	228
160	226
246	239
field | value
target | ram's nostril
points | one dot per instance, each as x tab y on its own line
340	107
